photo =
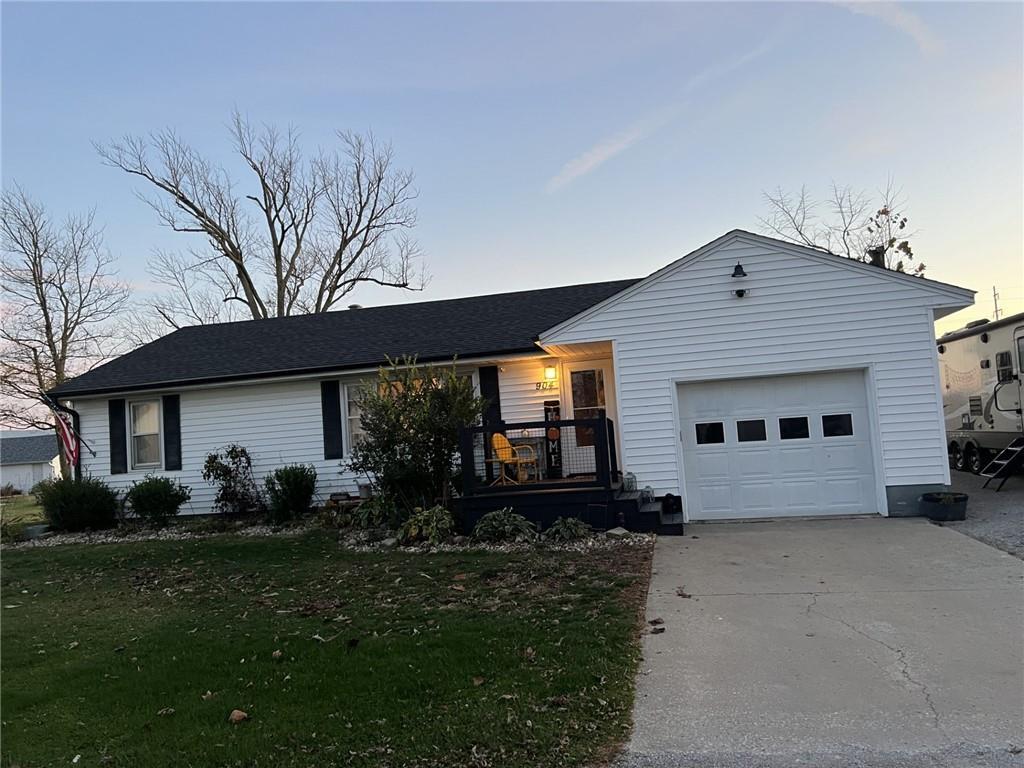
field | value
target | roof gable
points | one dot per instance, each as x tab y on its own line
945	294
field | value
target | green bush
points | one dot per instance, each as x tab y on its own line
433	526
566	529
290	491
78	505
231	470
411	419
155	500
503	525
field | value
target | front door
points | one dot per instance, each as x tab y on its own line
588	388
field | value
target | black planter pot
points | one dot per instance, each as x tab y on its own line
943	507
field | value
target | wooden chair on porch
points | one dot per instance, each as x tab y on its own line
519	457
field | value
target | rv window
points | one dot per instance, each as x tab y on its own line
1004	366
711	432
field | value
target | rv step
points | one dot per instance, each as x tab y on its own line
1008	461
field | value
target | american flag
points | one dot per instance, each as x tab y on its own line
68	437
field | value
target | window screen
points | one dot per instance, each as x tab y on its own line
794	428
145	425
710	432
837	425
750	430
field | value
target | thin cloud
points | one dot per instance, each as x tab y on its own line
900	18
609	147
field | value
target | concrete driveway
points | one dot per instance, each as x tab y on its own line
856	642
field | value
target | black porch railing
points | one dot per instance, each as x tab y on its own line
538	455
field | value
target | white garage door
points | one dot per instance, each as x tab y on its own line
777	446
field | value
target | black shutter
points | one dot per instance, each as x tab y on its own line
118	437
330	408
172	431
489	391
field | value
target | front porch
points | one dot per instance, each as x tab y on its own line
548	469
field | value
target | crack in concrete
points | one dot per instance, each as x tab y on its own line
900	655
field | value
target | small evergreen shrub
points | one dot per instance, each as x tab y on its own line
566	529
78	505
155	500
433	526
503	525
290	491
231	471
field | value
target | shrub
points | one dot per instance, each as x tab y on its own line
290	491
410	422
433	526
566	529
231	470
503	525
78	505
156	500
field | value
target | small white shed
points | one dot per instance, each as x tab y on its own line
26	458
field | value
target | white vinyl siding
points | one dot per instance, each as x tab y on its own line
799	314
517	388
278	423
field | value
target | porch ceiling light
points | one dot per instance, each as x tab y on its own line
738	270
550	373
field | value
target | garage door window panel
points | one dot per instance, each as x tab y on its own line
710	432
794	428
837	425
751	431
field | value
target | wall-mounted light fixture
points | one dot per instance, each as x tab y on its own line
740	293
550	373
737	271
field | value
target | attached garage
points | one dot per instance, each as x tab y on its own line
778	446
755	378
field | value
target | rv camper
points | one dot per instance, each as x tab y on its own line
982	381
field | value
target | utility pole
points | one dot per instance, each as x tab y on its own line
995	303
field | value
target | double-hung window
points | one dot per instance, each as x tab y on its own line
145	433
353	415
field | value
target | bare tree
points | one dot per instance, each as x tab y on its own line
848	223
61	304
309	232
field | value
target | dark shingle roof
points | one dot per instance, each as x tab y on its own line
334	341
28	449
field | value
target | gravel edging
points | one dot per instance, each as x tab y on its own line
596	542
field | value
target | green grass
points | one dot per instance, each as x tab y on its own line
18	511
387	659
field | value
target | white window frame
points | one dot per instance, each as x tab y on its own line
346	427
346	432
159	433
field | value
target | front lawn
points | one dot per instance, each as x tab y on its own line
18	511
135	654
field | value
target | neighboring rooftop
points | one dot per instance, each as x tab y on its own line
434	331
27	449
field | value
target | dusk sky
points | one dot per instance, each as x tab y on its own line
552	144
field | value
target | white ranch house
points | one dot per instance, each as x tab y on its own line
750	378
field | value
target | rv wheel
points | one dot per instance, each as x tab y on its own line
972	460
956	457
976	459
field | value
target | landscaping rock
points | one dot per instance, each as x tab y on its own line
389	542
618	533
237	716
